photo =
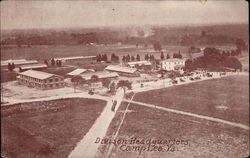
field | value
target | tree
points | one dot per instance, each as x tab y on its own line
94	78
106	82
52	62
104	57
232	62
46	62
132	58
124	59
157	46
233	53
137	57
152	58
98	58
189	65
124	83
162	56
76	80
60	62
128	58
112	88
9	67
240	44
168	56
114	58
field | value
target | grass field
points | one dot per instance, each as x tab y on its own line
48	129
203	139
226	98
47	52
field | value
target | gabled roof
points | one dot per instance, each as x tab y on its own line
78	71
32	66
37	74
100	74
18	62
174	60
118	68
144	62
75	57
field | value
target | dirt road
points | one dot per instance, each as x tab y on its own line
87	148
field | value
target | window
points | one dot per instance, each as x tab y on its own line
56	79
51	85
51	80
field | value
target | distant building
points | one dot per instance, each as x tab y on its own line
139	63
40	80
172	64
123	71
100	75
79	72
77	59
17	62
32	67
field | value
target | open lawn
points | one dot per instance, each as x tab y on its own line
177	136
226	98
47	129
47	52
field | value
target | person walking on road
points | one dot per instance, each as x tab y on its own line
113	105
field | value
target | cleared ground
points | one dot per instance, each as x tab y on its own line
15	90
197	138
48	128
226	98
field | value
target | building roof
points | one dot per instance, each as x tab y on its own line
76	57
100	74
18	62
119	68
78	71
144	62
33	66
174	60
37	74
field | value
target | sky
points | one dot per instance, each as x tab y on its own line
71	14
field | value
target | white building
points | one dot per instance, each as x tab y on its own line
139	63
32	67
79	72
41	80
76	59
17	62
123	71
173	64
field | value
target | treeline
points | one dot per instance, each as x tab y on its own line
215	60
104	57
171	36
53	62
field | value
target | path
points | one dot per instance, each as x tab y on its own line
164	83
239	125
86	148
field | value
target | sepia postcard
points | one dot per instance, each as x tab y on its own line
124	79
